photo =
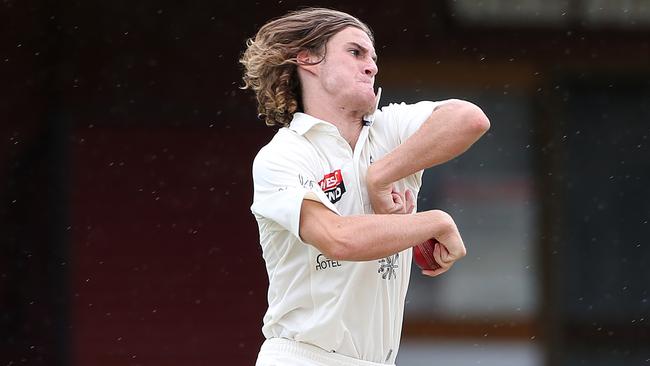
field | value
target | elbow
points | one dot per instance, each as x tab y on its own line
480	122
474	121
337	253
342	249
342	243
331	234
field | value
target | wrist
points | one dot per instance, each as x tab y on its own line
443	223
374	178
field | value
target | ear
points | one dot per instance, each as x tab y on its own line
306	61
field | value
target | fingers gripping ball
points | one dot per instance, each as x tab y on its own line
423	254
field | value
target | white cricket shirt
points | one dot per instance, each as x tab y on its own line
352	308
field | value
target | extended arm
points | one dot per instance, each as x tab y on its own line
450	130
369	237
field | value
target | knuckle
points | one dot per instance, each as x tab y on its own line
462	252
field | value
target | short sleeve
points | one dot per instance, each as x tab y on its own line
282	178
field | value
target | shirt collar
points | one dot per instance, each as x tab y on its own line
369	118
302	122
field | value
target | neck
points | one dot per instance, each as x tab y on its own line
348	121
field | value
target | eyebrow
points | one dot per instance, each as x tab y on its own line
365	50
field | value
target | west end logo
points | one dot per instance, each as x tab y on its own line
332	185
322	262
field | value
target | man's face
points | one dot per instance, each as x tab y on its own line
348	71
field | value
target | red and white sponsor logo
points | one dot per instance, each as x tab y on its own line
331	180
333	186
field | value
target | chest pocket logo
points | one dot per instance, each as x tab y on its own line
388	266
333	186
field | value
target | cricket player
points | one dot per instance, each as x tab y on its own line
335	190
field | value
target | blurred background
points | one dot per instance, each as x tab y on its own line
125	180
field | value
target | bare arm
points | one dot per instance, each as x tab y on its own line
368	237
450	130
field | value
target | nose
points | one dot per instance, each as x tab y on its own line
371	68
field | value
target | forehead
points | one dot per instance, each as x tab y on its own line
352	34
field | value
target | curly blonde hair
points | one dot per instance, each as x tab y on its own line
270	58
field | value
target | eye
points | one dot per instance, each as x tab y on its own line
355	52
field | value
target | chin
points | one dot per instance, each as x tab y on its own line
369	102
361	100
364	105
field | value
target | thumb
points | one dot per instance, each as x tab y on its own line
410	201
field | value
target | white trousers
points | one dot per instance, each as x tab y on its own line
285	352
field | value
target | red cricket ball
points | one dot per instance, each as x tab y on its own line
423	255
